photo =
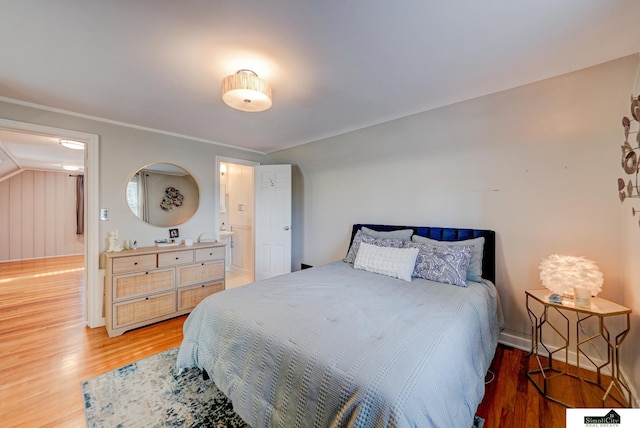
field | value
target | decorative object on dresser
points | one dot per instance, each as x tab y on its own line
547	369
114	246
152	284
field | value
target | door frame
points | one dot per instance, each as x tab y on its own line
225	159
92	283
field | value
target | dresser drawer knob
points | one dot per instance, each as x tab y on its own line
135	263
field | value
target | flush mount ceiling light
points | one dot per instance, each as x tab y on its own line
246	91
71	167
71	144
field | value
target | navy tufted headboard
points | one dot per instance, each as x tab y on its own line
449	234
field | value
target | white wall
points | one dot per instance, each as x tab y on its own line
538	164
38	216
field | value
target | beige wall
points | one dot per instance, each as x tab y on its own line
38	216
538	164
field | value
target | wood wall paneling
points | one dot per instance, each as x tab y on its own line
28	215
39	207
37	215
4	220
15	217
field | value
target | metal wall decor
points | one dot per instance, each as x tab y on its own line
631	155
172	198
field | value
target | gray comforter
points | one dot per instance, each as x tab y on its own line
334	346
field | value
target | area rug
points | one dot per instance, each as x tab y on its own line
150	393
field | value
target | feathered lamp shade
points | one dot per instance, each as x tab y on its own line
561	274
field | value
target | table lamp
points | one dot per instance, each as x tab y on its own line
569	276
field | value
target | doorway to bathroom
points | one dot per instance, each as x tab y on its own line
255	213
236	219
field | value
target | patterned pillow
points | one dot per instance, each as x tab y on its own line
446	264
474	272
394	262
380	242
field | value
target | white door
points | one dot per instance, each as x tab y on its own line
272	220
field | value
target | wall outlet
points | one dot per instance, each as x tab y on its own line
104	214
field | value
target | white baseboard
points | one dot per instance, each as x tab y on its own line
523	342
514	340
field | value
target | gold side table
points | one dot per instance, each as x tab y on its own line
600	308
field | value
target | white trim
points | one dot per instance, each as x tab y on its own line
515	341
93	285
127	125
226	159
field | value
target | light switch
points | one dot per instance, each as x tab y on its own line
104	214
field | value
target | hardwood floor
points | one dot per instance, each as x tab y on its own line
46	351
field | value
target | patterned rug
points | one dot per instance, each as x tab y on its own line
149	393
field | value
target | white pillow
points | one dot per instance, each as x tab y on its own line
394	262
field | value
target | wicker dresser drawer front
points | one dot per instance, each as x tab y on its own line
207	254
152	284
134	263
144	309
190	297
175	258
200	272
142	283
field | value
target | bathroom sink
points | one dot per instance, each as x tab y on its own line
224	234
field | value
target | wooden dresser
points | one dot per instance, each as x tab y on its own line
152	284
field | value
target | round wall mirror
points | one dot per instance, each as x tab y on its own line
163	195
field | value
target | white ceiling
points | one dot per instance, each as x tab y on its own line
21	151
335	66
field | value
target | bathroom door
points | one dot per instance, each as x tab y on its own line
272	220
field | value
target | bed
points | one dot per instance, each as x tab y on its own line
342	345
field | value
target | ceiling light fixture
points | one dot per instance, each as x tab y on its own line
245	91
71	167
71	144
